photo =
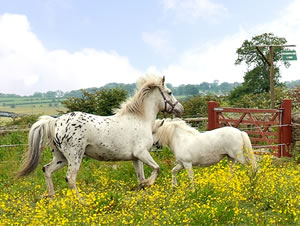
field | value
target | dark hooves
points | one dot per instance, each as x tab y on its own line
141	186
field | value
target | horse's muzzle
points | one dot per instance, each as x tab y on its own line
178	110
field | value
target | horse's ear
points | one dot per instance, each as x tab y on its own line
162	122
163	80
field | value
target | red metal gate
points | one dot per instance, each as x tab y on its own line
267	128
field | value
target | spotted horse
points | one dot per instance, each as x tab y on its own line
126	135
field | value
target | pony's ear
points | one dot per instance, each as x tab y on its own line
162	122
163	80
157	125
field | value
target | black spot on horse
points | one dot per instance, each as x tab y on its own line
59	162
69	138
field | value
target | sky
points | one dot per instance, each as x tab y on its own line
49	45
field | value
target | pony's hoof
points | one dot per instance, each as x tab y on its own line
47	196
142	186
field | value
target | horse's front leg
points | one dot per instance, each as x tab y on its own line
146	158
189	168
139	169
175	170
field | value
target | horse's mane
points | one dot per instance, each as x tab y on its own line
144	86
166	131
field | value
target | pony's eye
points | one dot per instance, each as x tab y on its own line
170	93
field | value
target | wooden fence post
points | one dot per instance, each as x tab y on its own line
286	130
213	117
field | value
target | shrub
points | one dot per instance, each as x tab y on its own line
101	102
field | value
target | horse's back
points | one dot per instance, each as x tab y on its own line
226	137
220	141
108	138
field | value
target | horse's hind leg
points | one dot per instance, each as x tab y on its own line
231	163
74	161
57	162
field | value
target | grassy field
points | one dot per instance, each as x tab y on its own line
30	106
111	194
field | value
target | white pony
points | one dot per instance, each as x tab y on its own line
127	135
192	148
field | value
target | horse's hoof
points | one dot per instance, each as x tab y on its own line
47	196
142	186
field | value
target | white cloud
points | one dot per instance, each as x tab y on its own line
159	42
27	66
287	25
216	61
191	10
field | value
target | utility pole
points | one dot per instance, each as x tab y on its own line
270	62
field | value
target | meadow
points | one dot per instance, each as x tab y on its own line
111	194
31	105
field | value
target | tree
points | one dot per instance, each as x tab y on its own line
100	102
257	79
196	106
294	95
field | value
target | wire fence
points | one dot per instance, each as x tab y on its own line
12	145
189	120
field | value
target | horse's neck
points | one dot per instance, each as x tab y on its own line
151	108
179	137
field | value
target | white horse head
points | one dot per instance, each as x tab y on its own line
152	96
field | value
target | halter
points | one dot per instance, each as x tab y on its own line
167	102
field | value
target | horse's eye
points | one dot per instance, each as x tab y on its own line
170	93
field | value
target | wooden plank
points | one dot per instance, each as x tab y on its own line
263	56
201	119
247	110
269	140
266	133
249	122
241	119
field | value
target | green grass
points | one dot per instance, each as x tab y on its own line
112	197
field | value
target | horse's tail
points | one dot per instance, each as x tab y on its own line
40	132
248	151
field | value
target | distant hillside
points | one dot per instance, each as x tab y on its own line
292	84
203	88
182	90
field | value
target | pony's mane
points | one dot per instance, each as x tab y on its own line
144	86
166	131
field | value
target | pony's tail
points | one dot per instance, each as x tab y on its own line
40	132
248	151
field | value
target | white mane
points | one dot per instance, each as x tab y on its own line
144	86
166	131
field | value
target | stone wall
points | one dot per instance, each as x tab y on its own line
296	132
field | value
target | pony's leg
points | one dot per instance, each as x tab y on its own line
175	170
57	162
139	169
189	168
74	161
231	163
146	158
